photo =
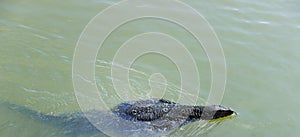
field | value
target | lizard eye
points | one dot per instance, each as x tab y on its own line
165	109
134	112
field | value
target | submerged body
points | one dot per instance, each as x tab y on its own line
137	118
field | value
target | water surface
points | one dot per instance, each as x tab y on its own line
260	41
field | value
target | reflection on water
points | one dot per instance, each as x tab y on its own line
259	38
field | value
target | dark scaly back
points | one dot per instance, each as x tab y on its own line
145	110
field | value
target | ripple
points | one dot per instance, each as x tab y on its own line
38	91
139	83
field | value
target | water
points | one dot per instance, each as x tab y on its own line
259	38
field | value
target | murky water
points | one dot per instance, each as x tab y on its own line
260	40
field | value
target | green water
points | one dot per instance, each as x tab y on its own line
260	40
